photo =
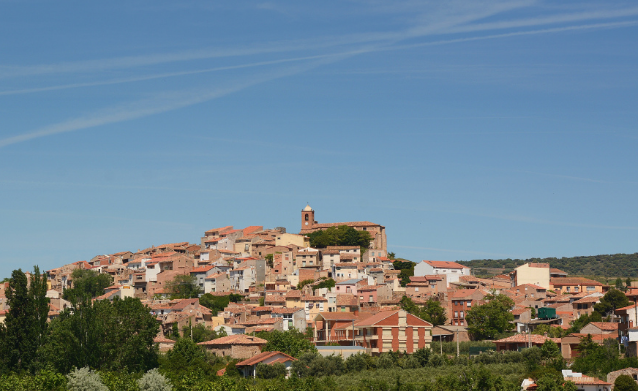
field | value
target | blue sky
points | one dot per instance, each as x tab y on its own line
469	129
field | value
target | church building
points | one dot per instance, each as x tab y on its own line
378	245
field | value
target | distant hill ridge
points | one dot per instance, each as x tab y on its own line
612	265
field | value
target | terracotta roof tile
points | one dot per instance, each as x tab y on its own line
238	339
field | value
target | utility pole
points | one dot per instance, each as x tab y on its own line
352	332
458	350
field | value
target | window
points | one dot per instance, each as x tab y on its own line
591	288
306	217
456	314
568	288
462	315
469	303
416	289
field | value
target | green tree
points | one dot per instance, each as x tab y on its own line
87	284
492	318
218	303
619	284
271	371
24	329
103	335
184	286
325	283
612	300
433	312
407	270
292	342
430	312
340	236
185	356
625	383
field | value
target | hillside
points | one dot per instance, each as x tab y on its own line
613	265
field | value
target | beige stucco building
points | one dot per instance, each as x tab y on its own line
532	273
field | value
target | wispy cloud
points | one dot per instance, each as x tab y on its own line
160	104
173	74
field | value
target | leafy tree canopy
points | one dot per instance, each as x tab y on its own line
25	327
625	383
407	270
492	318
184	286
430	312
340	236
292	342
218	303
611	265
611	301
103	335
326	283
87	284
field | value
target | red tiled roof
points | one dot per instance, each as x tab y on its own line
462	293
238	339
588	300
274	298
201	269
347	299
573	281
587	380
519	311
608	326
261	357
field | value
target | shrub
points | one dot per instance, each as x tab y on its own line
267	371
154	381
85	380
356	363
625	383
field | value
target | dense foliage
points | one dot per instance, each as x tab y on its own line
107	335
340	236
87	284
431	311
407	270
292	342
491	319
614	265
218	303
25	326
610	302
184	286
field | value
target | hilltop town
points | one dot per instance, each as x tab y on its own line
347	299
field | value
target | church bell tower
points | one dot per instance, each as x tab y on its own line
307	217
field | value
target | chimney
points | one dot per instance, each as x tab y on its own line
403	321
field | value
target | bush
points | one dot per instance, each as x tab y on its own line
267	371
357	363
85	380
154	381
625	383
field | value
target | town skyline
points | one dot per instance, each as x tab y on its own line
494	130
